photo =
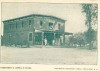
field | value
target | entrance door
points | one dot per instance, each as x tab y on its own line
49	37
38	38
30	38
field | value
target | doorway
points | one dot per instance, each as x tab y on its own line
50	37
30	38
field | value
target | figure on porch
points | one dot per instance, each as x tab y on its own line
45	41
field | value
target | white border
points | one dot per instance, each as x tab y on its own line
54	67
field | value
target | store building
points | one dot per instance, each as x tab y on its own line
34	29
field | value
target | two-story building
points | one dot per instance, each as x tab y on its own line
34	29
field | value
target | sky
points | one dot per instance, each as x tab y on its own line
72	13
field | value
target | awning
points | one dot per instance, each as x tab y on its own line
38	31
51	31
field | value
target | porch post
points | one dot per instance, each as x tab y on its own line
63	39
34	39
42	37
54	38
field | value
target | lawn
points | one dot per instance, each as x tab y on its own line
50	55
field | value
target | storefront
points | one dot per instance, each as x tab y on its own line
49	38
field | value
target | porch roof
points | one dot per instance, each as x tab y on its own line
58	32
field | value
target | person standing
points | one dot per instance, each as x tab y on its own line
45	41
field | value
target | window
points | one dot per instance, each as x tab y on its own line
9	36
29	23
51	25
30	36
16	25
41	23
58	26
10	26
22	24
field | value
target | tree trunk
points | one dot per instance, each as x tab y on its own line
90	45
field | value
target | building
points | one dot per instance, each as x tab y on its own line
34	29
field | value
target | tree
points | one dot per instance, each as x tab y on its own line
91	13
77	39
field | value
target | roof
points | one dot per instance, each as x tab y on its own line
67	33
35	15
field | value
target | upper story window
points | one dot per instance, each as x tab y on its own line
22	24
16	25
59	26
41	24
51	25
10	26
29	23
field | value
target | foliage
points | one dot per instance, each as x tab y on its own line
92	37
91	13
78	39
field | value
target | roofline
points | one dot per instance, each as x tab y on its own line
68	33
34	15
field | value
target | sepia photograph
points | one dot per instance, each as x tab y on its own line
49	33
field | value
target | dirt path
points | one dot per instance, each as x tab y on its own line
53	56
